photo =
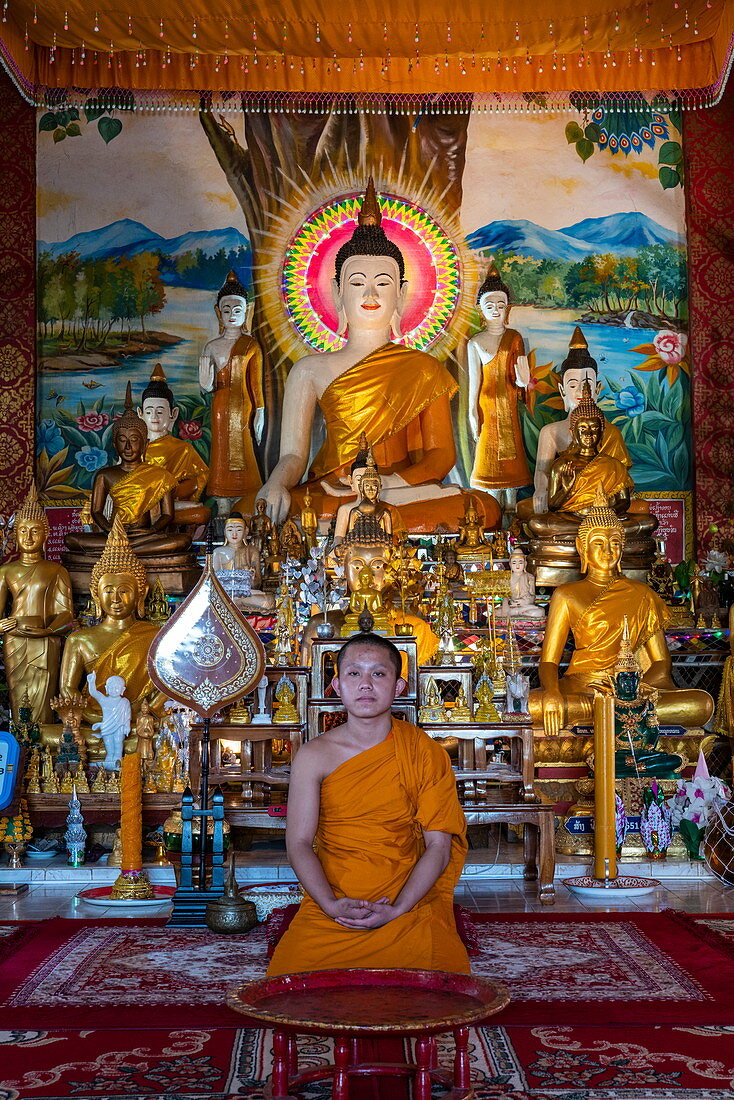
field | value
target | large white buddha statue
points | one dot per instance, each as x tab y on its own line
397	397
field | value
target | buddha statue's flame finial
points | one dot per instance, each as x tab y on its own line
578	340
493	270
369	213
627	660
158	374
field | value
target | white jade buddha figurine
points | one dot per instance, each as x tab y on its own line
521	604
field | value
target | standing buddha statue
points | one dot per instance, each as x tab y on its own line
498	375
40	597
231	367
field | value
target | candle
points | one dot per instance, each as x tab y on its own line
131	812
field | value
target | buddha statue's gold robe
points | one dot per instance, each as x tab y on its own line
139	491
181	460
604	471
128	657
499	459
233	467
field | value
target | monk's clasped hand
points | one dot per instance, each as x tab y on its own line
371	914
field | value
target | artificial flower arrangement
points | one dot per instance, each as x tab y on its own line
693	803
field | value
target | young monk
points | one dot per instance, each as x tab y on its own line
375	833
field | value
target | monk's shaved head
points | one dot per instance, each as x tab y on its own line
371	641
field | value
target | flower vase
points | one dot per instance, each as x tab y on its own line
692	835
656	829
620	823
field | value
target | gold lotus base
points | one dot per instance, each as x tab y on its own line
132	885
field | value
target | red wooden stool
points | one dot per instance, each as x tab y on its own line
349	1005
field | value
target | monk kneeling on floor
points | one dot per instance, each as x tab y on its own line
375	833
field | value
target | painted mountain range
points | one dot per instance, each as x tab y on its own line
129	238
620	234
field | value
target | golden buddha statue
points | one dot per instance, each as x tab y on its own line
366	597
138	493
398	397
309	522
485	710
576	478
471	530
118	645
461	711
178	456
231	368
578	367
145	732
157	608
499	374
366	482
453	571
432	708
260	526
285	695
291	543
39	593
593	610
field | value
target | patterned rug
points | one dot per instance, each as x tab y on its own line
542	1063
591	969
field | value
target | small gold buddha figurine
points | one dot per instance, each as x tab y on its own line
461	711
260	526
285	627
70	709
291	543
145	732
453	571
274	558
113	782
485	711
285	694
433	709
99	783
309	522
239	714
471	530
149	786
181	780
165	760
365	597
50	782
157	608
33	773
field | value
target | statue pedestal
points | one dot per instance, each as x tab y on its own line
554	559
178	573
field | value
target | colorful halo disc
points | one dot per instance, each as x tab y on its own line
432	269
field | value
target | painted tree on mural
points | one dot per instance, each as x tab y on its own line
281	148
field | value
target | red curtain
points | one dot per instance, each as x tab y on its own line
710	214
17	295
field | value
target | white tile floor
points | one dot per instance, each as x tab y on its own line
482	891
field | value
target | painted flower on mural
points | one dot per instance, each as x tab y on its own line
93	421
49	438
190	429
630	400
91	458
667	354
670	346
543	384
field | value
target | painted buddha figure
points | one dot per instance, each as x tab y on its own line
498	375
40	598
118	645
160	413
577	476
399	398
578	367
593	610
140	495
230	367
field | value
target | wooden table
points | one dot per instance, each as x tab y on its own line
353	1005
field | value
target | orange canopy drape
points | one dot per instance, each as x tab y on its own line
417	47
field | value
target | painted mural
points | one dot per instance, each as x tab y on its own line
140	222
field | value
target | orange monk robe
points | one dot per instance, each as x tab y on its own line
499	459
602	471
128	657
182	461
373	808
140	490
426	641
238	392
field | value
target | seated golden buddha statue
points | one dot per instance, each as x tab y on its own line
373	551
118	645
471	529
160	413
577	475
367	483
594	610
578	367
399	398
365	597
139	494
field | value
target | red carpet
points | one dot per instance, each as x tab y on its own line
596	969
687	1062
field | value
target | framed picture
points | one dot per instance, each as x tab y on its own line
674	511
